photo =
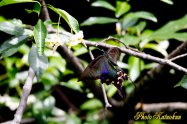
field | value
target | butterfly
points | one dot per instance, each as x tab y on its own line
105	68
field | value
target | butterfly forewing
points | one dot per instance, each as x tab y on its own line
93	70
113	54
98	67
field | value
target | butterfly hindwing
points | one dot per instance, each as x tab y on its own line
113	55
93	70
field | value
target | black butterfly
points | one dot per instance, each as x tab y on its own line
105	68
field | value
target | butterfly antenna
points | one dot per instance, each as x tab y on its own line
115	39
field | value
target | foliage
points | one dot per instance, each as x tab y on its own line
51	68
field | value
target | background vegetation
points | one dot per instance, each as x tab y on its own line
50	41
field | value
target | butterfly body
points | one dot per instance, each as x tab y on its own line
104	67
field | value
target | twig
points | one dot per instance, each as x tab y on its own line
65	99
160	107
25	93
140	55
178	57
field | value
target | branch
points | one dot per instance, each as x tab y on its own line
65	99
161	107
178	57
25	93
139	55
44	14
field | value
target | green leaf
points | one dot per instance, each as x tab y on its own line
48	104
137	29
121	8
91	104
7	2
73	84
131	18
36	9
98	20
73	119
183	82
157	48
134	67
58	62
130	39
145	15
11	46
40	33
2	19
111	90
103	4
14	27
167	1
36	62
170	30
72	22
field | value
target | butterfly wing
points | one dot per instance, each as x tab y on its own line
99	68
93	70
113	54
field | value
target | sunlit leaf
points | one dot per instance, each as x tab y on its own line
73	84
73	119
36	62
183	82
103	4
48	104
130	39
80	51
7	2
9	101
145	37
72	22
111	90
150	65
121	8
135	66
98	20
170	30
131	18
91	104
157	48
167	1
2	19
137	28
40	33
14	28
58	62
48	79
11	46
36	9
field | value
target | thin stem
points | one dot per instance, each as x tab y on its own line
107	104
65	98
161	107
23	101
178	57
